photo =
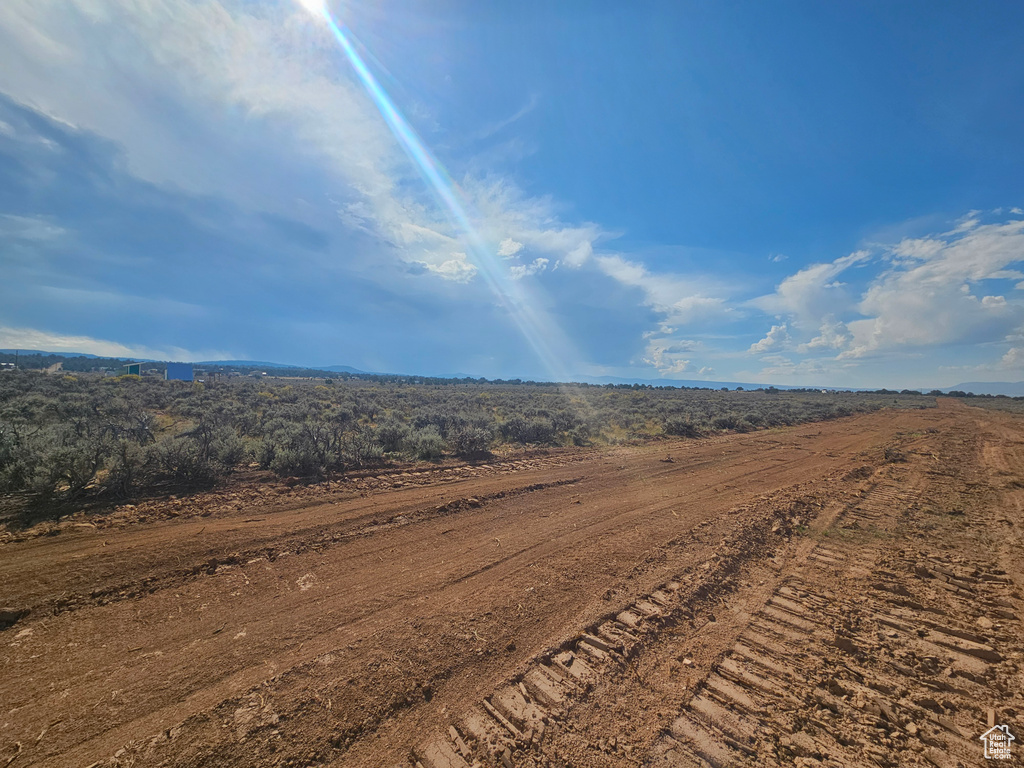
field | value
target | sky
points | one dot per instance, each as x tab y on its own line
802	193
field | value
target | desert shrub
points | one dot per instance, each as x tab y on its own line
226	448
470	442
308	449
129	468
359	447
264	451
681	427
62	435
295	461
445	420
183	459
536	430
392	434
67	461
726	421
580	435
16	465
425	443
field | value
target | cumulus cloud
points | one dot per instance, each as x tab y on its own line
1013	359
519	271
918	248
934	299
966	223
456	268
833	335
670	356
813	292
776	338
509	248
925	292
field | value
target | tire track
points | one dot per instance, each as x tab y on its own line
509	727
865	652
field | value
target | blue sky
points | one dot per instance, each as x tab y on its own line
788	192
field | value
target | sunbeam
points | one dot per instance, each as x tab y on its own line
544	336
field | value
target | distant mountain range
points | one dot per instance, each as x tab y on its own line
41	352
219	363
708	384
1009	388
265	364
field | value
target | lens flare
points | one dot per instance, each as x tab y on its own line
316	7
543	335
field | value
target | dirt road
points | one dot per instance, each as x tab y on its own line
844	593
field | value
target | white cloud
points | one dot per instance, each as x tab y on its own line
670	356
679	300
777	257
931	291
1013	359
833	335
505	214
918	248
931	300
32	338
509	248
812	292
966	223
776	338
681	303
579	255
456	268
519	271
255	80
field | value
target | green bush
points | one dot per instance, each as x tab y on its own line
425	443
392	434
470	442
681	427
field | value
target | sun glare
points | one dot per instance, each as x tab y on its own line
316	7
542	333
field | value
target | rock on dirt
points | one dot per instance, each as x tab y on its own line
11	616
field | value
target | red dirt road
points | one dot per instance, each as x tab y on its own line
354	631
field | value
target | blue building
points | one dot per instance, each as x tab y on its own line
179	372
